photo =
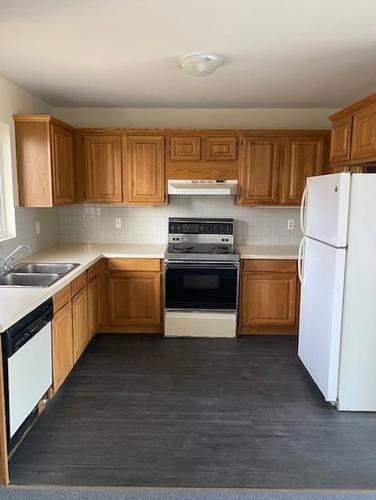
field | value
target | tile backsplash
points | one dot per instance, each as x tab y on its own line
96	224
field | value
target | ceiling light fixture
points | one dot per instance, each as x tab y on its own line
201	64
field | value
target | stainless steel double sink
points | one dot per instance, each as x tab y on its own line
40	275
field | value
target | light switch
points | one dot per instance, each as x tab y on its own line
37	227
118	223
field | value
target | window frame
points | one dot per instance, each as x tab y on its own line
7	204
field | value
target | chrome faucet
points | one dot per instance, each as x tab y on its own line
8	265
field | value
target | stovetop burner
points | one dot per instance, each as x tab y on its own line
220	249
181	248
200	248
201	239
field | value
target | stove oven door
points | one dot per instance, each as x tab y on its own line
201	286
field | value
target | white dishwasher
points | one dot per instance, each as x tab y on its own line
28	369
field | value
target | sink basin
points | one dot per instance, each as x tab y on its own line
29	279
46	268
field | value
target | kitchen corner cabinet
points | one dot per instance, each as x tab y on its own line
45	161
144	170
268	297
134	295
102	168
363	140
353	137
340	139
274	166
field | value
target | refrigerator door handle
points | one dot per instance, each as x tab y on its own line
303	209
301	260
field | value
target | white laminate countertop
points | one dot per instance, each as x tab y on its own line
15	303
268	251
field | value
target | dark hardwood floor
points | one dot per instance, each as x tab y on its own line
143	410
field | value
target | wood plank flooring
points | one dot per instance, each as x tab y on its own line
148	411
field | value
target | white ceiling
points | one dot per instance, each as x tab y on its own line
279	53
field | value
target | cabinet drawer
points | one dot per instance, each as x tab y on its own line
79	283
221	148
134	264
94	270
62	297
270	265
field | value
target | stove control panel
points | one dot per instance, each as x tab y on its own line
201	226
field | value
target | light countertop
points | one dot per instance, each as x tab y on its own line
268	251
15	303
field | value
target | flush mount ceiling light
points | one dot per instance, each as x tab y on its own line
201	64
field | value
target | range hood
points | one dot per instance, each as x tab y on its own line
201	186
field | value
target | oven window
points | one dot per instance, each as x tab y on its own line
197	288
203	282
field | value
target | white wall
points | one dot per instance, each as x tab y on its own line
192	118
15	100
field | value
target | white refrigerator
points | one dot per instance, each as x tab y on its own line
337	270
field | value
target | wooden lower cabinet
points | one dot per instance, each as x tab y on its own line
80	323
134	299
62	345
268	297
93	303
77	315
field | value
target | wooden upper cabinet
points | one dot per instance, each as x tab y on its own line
45	161
258	176
144	170
363	142
103	169
185	148
303	158
221	148
340	139
62	165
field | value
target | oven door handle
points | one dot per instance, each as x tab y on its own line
201	265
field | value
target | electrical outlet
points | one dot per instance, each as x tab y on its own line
291	225
118	223
37	227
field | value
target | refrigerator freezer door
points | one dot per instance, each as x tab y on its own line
321	314
327	208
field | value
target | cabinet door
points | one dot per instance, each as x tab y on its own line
185	148
221	148
340	139
304	158
62	345
268	299
102	165
363	143
145	170
62	141
134	298
80	323
93	302
258	176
